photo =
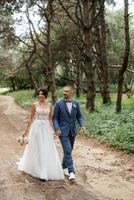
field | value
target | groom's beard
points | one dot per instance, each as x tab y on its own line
70	97
65	97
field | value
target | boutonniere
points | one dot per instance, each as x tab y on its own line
74	105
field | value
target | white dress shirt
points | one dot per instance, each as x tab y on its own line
69	106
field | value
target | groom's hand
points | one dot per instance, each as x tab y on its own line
82	130
58	133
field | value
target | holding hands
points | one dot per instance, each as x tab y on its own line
58	133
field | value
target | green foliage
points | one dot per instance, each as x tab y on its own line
116	42
115	36
25	98
22	79
3	78
112	128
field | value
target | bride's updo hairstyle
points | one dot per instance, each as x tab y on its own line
43	90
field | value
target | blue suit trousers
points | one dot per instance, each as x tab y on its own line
67	144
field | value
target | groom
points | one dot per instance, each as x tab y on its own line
66	113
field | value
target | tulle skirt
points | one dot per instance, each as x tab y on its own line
40	158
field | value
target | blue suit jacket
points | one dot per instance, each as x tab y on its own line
64	121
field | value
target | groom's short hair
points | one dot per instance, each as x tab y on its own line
68	86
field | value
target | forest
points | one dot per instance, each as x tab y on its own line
88	44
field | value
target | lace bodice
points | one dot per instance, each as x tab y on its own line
42	113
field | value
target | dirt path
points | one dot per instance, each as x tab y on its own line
101	173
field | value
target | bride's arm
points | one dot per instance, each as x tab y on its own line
31	119
51	115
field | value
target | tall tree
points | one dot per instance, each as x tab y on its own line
7	42
49	18
46	13
82	17
125	58
88	58
100	35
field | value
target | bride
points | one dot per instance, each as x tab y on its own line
40	158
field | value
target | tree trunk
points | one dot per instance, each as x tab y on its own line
51	77
105	86
11	78
32	81
125	59
100	46
66	65
87	48
78	78
28	64
131	88
10	73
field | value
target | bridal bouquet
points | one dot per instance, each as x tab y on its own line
22	139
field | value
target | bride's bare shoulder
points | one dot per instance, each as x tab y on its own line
34	104
50	105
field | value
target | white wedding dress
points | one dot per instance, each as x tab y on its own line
40	158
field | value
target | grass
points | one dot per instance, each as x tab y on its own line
112	128
24	98
104	124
